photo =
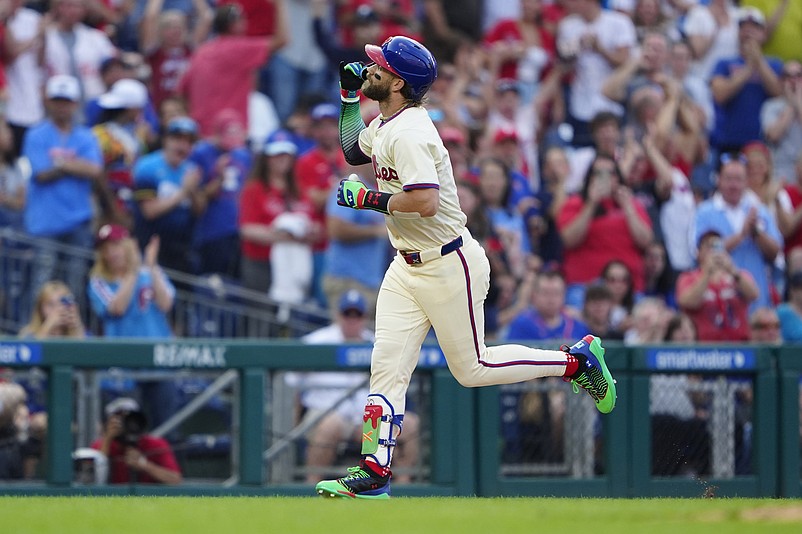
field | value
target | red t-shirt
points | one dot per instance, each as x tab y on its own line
608	238
314	171
156	450
167	67
509	30
260	16
261	204
723	314
794	240
221	75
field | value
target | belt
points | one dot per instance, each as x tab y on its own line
418	257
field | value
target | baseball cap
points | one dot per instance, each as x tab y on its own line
507	84
755	145
125	94
182	126
113	61
352	300
751	14
325	110
449	134
505	134
63	86
110	232
230	128
280	142
122	404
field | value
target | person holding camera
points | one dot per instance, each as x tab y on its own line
717	294
55	314
134	455
604	222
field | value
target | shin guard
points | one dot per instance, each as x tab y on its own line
380	429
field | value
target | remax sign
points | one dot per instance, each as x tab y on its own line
180	355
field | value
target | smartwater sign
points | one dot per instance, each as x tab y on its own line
180	355
20	354
701	359
359	356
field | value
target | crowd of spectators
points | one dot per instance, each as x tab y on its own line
581	132
622	161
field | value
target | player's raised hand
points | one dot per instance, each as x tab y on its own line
351	192
351	76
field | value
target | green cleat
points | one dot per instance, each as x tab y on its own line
593	375
360	483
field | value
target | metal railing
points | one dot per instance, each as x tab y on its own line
205	306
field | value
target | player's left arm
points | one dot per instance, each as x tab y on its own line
351	123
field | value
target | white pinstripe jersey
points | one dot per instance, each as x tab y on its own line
407	154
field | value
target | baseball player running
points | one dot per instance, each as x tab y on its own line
440	276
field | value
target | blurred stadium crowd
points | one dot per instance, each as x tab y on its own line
632	167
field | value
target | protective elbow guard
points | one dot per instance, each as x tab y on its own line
380	429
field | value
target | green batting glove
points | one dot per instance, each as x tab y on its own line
352	193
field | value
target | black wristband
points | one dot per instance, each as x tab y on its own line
377	201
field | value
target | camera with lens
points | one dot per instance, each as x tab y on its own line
134	425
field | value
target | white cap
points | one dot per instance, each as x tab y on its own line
751	14
122	404
125	94
63	86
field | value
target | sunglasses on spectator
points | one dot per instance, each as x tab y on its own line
766	325
793	74
352	314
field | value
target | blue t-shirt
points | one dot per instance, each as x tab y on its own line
372	254
221	217
529	325
154	177
60	206
790	323
737	121
142	318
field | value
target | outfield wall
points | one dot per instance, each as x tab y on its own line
750	421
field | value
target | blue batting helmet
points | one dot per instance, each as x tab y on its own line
407	59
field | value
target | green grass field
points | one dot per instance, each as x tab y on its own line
236	515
